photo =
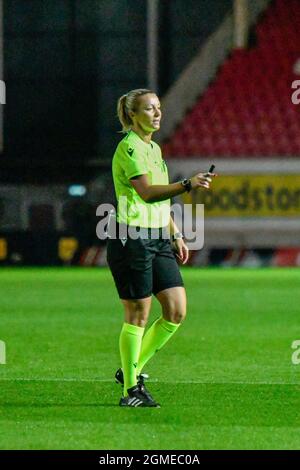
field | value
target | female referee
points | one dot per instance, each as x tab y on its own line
145	265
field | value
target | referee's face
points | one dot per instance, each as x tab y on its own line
148	114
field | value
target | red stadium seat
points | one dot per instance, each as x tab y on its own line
287	257
247	111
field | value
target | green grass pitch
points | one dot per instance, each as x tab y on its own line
225	380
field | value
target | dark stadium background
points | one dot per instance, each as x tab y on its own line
66	62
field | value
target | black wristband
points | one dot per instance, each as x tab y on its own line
187	184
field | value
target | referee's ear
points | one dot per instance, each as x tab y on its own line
131	115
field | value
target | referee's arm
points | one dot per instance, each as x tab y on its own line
173	227
160	192
155	192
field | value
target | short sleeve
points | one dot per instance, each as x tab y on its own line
134	161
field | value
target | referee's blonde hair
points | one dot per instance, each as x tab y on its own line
127	103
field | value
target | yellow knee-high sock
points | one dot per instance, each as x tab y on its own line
155	338
130	346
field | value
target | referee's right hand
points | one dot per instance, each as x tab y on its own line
202	180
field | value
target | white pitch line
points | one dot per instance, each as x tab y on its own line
199	382
51	379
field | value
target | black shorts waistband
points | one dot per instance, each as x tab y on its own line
135	232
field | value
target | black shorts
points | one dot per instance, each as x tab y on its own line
142	267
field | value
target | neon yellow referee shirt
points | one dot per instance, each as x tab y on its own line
135	157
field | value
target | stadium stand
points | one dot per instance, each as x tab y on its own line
286	257
247	110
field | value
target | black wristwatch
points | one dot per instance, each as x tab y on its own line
187	184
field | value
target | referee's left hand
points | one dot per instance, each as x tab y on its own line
181	250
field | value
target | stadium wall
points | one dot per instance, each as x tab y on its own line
254	203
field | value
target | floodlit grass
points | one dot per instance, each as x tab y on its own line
225	380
